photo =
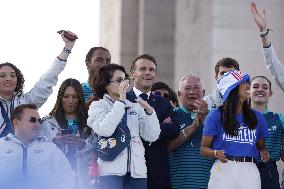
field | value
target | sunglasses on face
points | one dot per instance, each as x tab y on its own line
34	120
165	95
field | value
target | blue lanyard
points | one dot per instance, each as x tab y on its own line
8	129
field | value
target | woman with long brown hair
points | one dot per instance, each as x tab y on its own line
234	135
66	124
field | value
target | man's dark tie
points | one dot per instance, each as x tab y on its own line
144	96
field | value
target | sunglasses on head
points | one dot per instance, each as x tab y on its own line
34	120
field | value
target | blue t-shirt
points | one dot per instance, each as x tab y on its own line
88	92
73	125
70	151
243	145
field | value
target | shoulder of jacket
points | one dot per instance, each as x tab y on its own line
47	117
50	120
6	138
101	104
3	142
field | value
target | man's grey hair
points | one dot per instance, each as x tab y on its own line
188	76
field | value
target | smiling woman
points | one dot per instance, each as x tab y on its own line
29	39
12	82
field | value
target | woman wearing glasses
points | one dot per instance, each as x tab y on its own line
66	124
12	83
128	169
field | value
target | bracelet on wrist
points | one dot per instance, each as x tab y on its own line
148	112
267	46
264	33
68	51
60	59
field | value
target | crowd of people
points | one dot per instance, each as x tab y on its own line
105	134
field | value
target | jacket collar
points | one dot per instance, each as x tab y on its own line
13	97
13	138
107	98
50	119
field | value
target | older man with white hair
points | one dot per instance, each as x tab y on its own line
188	168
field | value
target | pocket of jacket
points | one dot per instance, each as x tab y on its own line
139	162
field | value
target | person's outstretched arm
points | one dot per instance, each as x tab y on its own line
43	88
261	22
271	60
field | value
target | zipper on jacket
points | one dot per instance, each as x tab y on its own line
25	154
128	158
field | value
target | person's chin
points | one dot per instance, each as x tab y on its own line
259	100
70	110
148	82
10	90
34	136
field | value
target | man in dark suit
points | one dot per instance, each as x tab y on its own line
143	72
